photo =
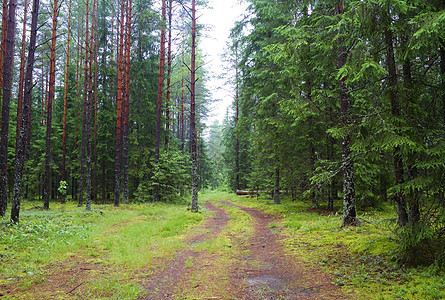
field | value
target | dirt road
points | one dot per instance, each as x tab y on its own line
219	263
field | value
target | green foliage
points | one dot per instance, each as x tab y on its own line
422	243
62	187
169	175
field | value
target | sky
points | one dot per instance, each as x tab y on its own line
219	17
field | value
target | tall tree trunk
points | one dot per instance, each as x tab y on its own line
95	184
349	211
169	66
120	109
192	115
395	110
22	74
89	103
51	93
3	42
237	168
182	113
26	120
159	102
126	140
84	109
414	205
78	57
7	89
65	99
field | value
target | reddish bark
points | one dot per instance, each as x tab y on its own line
192	114
126	141
119	118
3	40
89	102
159	102
84	108
95	123
51	93
65	98
8	65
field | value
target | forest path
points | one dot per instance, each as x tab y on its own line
227	260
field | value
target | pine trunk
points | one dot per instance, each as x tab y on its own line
49	112
156	197
89	104
7	90
193	141
22	75
65	99
84	110
25	124
3	41
94	191
169	66
126	140
120	109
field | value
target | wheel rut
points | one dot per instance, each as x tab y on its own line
172	278
257	267
266	271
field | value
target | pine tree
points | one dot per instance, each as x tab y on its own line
51	94
193	141
6	98
23	138
65	99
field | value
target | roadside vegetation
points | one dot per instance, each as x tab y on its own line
123	241
118	247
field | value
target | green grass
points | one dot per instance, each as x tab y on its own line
125	238
238	226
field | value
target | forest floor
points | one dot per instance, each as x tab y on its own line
236	248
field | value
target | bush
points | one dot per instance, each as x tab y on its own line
170	175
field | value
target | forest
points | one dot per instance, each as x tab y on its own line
338	110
